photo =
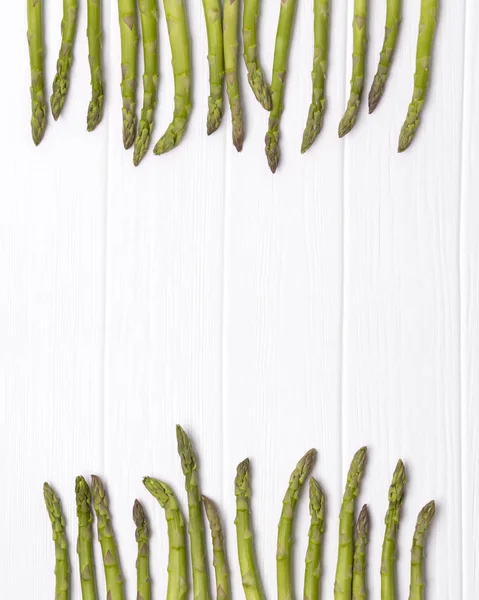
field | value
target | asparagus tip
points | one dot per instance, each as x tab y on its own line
138	513
362	525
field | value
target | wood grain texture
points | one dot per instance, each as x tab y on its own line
332	305
469	268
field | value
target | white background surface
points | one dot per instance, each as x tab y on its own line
333	305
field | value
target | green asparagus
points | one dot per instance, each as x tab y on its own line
189	465
214	32
62	78
177	574
142	535
231	18
278	79
37	87
129	51
427	29
250	53
312	573
181	60
252	586
344	569
393	21
416	591
94	34
223	591
388	558
360	557
314	123
149	30
85	537
359	58
62	563
284	575
111	559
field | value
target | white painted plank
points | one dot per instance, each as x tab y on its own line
469	309
282	314
51	307
164	304
401	311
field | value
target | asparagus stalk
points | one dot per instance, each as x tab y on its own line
393	21
278	79
142	535
250	53
312	573
84	541
189	465
62	78
94	35
149	30
129	48
314	123
106	536
359	58
416	591
360	557
177	575
344	568
427	29
388	558
37	87
62	563
181	60
223	591
284	574
252	586
214	32
231	19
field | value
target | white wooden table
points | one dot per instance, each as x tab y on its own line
333	305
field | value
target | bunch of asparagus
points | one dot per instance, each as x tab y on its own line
351	567
222	27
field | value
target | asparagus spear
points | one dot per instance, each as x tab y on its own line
94	34
344	568
142	535
129	47
280	62
181	60
314	123
359	58
285	528
65	58
223	591
312	573
189	465
250	53
360	558
214	32
388	558
85	537
106	536
231	18
252	586
177	575
416	591
149	30
393	21
427	28
62	563
37	87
